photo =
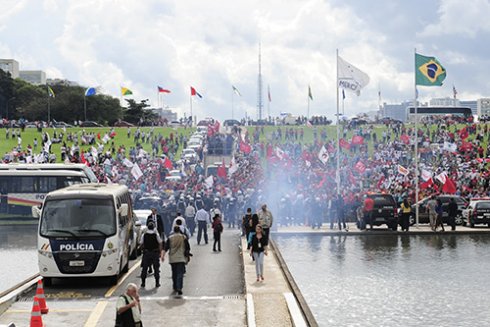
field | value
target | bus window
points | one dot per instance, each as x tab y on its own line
47	184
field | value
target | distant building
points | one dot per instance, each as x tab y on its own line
36	77
483	106
473	104
165	113
444	102
396	111
59	81
10	66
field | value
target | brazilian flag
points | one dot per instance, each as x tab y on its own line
428	71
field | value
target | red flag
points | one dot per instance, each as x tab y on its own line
98	135
449	187
194	92
360	167
168	164
344	144
466	146
463	133
112	134
162	90
357	140
83	160
222	170
245	148
405	138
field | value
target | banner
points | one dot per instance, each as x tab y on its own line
136	172
323	155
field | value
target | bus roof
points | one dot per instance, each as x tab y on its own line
74	173
51	166
90	189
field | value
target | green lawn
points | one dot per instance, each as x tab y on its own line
6	145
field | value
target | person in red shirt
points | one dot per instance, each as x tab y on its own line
367	209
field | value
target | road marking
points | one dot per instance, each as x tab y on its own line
122	279
250	311
294	311
94	317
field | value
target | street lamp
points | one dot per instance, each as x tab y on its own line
8	102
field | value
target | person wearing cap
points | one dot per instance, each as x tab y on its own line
152	253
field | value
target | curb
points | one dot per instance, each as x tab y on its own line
14	293
305	309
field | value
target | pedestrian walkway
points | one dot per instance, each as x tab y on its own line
270	302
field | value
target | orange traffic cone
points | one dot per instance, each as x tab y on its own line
36	318
40	296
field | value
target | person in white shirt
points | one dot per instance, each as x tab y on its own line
202	221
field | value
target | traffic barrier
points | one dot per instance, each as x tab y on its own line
41	297
36	318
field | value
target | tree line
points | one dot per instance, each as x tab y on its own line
20	99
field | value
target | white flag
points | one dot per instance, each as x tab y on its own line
106	138
279	153
233	167
136	172
426	175
451	147
323	155
442	178
209	182
350	77
127	163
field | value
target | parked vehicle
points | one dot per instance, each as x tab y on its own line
122	123
89	123
477	212
385	211
424	214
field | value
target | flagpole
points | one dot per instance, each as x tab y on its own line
337	175
49	109
190	101
416	144
308	109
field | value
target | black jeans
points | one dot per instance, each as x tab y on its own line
202	228
405	221
151	258
452	222
178	269
217	240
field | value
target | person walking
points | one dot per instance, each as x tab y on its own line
178	249
258	250
439	212
452	209
265	220
245	223
157	221
128	308
152	253
190	213
431	208
368	207
340	212
217	230
406	211
202	221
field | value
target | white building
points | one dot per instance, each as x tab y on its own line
483	107
36	77
10	66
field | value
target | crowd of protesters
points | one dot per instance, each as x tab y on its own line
277	166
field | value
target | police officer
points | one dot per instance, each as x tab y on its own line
152	253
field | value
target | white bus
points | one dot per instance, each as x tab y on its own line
49	166
85	230
22	189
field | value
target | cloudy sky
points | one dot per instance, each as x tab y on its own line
212	45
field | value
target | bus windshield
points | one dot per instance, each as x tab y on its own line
78	218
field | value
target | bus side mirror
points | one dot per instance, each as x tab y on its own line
123	210
36	212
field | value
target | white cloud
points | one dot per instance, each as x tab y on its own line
459	17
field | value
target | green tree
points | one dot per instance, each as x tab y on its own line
6	93
136	111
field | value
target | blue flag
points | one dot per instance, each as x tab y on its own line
90	91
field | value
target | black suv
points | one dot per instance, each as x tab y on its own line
384	211
424	213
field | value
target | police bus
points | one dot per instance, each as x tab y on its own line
50	166
85	230
22	189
